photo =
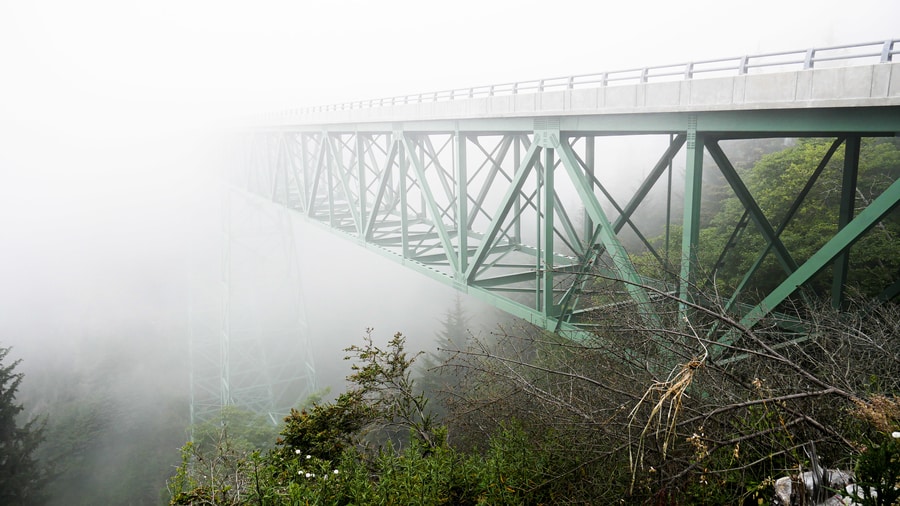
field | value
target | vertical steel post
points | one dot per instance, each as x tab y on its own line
538	234
666	267
517	206
361	182
401	183
225	343
693	182
845	216
547	233
590	166
462	204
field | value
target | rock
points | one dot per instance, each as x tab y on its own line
783	491
833	479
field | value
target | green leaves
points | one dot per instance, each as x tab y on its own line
775	182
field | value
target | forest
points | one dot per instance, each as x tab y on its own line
636	414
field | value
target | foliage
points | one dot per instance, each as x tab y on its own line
695	410
221	466
437	367
246	431
325	430
383	380
775	181
325	454
878	466
878	474
21	479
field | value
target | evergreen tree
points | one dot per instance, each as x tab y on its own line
20	478
435	369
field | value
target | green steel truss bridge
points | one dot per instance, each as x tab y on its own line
502	191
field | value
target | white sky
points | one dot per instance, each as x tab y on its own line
79	77
105	61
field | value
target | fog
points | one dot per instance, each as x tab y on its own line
108	214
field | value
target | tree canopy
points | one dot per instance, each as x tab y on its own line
21	479
775	181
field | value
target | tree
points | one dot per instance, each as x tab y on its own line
696	410
775	181
20	478
436	369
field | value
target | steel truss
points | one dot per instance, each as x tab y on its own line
516	211
250	346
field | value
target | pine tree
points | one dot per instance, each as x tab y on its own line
436	366
20	477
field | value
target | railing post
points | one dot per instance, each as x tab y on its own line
808	61
886	51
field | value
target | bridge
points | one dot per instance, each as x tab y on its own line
502	191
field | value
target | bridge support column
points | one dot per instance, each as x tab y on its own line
848	204
546	264
693	181
462	204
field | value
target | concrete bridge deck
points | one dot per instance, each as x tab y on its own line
876	85
867	77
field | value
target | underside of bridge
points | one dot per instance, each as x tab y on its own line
521	212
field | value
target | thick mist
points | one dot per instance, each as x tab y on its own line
111	223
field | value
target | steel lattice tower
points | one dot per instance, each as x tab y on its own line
249	342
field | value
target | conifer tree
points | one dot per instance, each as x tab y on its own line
20	477
436	366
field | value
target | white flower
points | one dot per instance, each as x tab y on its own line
297	451
895	435
308	457
300	473
336	471
309	475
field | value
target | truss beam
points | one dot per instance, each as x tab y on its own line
491	206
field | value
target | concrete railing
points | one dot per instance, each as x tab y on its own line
864	53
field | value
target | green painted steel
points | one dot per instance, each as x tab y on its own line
812	122
743	194
848	205
478	204
795	206
620	258
693	182
867	218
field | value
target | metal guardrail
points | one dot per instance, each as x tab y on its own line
871	52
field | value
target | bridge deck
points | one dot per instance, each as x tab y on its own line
875	85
